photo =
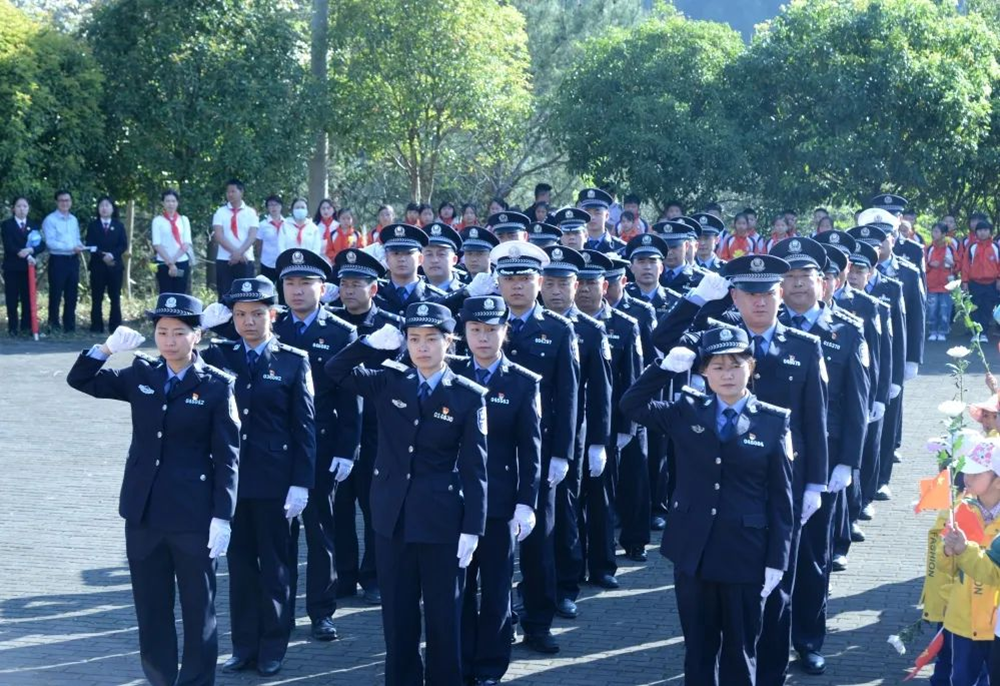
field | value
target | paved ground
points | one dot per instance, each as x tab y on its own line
65	607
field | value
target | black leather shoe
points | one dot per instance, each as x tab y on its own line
812	662
883	493
238	663
565	608
372	596
605	581
269	667
637	553
541	643
323	629
857	535
867	513
658	523
839	563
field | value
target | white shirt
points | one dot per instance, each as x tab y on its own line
163	236
288	237
246	219
268	235
62	233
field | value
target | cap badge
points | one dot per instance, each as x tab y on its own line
503	217
436	230
865	231
888	199
586	257
757	264
646	240
170	302
725	335
703	220
569	214
835	238
489	304
400	231
473	233
557	254
247	287
590	194
795	246
298	258
515	252
422	311
351	256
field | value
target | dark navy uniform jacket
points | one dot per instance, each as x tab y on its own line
547	346
685	279
430	469
714	264
279	418
874	316
662	301
915	301
606	244
114	241
14	241
890	292
791	375
594	398
645	316
626	362
912	251
731	513
514	455
847	359
338	415
182	464
388	299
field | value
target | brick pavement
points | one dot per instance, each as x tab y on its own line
65	606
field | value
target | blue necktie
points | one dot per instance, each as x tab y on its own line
424	393
729	427
171	384
401	293
799	322
758	348
516	325
483	375
252	358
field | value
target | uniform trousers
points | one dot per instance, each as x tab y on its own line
64	280
812	577
486	615
537	562
160	562
409	572
568	549
871	459
776	632
321	570
851	504
891	426
721	624
356	487
225	273
261	577
174	284
632	500
660	481
595	522
105	279
15	290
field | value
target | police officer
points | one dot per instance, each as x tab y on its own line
731	520
358	275
597	203
597	529
429	490
403	244
545	343
476	245
514	470
846	357
440	256
677	275
897	205
509	226
573	223
790	372
179	488
593	428
543	235
710	228
274	392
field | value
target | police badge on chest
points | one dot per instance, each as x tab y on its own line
444	415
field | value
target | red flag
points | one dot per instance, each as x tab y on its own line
968	522
935	493
930	652
33	299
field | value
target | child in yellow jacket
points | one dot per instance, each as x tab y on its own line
970	614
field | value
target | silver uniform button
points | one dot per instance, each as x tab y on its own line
716	486
246	411
756	376
718	460
407	476
450	487
201	478
157	463
249	386
284	447
410	449
244	437
376	472
713	511
322	432
416	422
164	407
159	434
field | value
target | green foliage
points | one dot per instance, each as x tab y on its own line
840	99
641	109
215	92
50	90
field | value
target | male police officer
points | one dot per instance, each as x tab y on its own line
477	243
441	256
573	224
596	203
710	228
403	244
543	235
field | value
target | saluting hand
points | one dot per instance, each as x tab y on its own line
122	340
386	338
678	360
711	287
214	315
482	284
331	292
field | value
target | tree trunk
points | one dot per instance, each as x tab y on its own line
320	41
130	227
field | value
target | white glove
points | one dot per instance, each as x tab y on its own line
482	284
622	441
772	577
811	501
523	523
386	338
124	339
910	371
894	391
219	533
331	292
467	544
711	287
376	250
840	479
678	360
341	468
597	458
215	314
558	469
878	411
296	501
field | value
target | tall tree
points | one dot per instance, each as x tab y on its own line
318	48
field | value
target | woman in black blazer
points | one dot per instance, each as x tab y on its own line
22	243
107	268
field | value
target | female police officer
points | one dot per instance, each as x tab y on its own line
179	489
428	495
514	466
730	522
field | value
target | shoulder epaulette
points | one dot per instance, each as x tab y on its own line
524	371
849	317
675	294
145	358
892	279
774	409
904	262
290	349
434	290
804	335
866	296
342	323
596	323
392	316
223	376
643	304
470	384
627	317
396	365
558	317
449	358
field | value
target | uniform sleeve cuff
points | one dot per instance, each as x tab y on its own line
96	353
819	488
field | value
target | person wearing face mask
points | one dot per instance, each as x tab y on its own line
22	243
730	527
178	492
299	232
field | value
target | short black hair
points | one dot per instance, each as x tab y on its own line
61	192
628	215
675	203
412	207
791	212
713	206
984	224
749	210
19	197
500	201
446	204
170	191
237	183
114	206
274	198
542	188
631	199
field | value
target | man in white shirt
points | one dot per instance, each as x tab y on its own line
62	236
234	230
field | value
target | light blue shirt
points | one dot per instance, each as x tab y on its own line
171	375
433	381
307	321
409	287
492	368
811	316
62	233
721	407
767	336
259	349
526	317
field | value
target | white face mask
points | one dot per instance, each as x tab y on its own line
300	213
